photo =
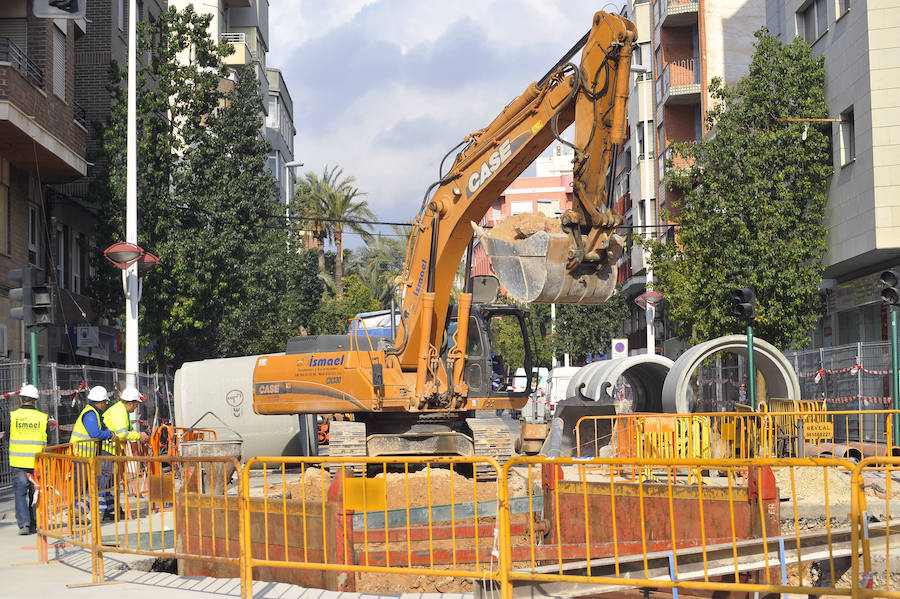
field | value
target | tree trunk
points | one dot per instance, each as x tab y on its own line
320	246
339	262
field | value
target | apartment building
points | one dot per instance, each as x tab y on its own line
682	46
859	41
280	133
43	136
244	24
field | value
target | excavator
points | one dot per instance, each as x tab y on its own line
417	392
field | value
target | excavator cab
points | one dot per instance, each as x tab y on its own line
487	370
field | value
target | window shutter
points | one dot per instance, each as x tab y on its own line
59	63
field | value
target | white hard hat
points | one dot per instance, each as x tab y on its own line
29	391
98	393
132	394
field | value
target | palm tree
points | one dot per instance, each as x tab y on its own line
309	204
337	208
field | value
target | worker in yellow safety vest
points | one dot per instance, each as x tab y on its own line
117	418
28	428
88	432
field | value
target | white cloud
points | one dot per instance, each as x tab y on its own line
385	88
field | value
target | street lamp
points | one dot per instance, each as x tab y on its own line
649	304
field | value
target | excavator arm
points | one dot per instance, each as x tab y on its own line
577	265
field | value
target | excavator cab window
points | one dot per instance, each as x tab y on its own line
510	351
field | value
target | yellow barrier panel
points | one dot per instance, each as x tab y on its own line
849	434
409	517
749	526
877	485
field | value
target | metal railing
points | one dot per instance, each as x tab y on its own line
763	525
14	55
79	114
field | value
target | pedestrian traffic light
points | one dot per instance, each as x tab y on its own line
890	294
743	303
25	278
42	305
59	9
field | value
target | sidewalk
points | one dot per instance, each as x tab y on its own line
23	576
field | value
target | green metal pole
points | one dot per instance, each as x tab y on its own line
751	370
34	358
895	375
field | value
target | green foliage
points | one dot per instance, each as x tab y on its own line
380	262
336	312
228	284
585	330
753	203
330	206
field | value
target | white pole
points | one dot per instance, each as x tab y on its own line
648	219
132	292
553	332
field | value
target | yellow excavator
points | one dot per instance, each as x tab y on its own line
417	392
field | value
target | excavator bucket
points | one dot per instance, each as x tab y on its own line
534	269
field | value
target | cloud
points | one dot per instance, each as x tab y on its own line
385	88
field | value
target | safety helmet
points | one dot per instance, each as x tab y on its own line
29	391
132	394
98	393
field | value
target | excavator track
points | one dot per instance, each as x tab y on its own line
347	439
491	438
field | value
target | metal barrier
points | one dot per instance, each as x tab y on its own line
760	525
187	499
813	433
877	484
411	516
166	438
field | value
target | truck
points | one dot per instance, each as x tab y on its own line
421	390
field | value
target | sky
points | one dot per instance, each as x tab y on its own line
385	88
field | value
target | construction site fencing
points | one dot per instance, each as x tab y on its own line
800	526
764	526
808	431
61	387
413	516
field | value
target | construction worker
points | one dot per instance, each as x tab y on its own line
27	437
117	419
89	431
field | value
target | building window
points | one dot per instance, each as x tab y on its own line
548	207
848	136
843	6
273	165
34	228
59	63
78	244
272	117
812	20
62	257
4	207
521	207
122	9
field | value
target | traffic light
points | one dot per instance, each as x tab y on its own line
24	294
42	305
891	292
743	303
59	9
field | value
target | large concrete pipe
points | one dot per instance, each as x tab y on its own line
590	393
781	380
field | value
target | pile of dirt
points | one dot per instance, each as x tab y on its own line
446	487
523	226
809	485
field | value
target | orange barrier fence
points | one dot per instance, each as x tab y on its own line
850	434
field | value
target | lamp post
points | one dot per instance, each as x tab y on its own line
130	272
647	197
890	295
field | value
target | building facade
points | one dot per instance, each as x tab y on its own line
43	141
280	133
682	45
862	65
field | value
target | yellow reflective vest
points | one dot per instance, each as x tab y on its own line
27	436
82	444
118	420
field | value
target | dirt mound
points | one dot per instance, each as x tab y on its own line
523	226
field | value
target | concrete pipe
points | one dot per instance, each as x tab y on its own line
645	374
781	380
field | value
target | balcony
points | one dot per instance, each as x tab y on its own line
242	54
12	54
679	83
39	133
237	3
678	13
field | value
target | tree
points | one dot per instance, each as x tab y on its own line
380	262
336	312
582	331
753	202
227	284
334	205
